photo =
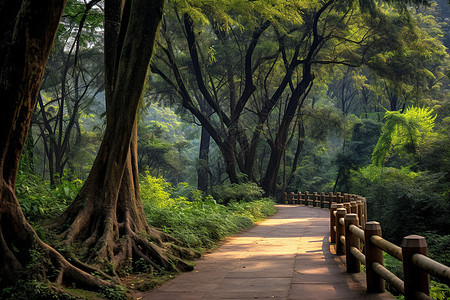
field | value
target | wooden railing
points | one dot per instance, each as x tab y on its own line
349	230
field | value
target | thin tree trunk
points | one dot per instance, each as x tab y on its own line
300	143
269	183
203	161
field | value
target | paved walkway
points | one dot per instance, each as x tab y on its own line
285	257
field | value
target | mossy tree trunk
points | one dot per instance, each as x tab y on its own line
27	29
107	219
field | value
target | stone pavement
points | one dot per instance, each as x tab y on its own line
285	257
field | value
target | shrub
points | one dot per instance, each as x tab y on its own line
155	191
113	293
256	210
237	192
33	289
402	200
39	201
201	222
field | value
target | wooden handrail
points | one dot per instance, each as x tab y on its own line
396	282
349	226
358	255
432	267
387	247
357	231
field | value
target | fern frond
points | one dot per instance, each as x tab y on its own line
403	129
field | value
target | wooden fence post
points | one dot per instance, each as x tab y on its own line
322	199
333	207
347	206
314	199
375	283
359	210
416	280
364	212
340	213
351	240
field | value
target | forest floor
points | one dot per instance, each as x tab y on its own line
288	256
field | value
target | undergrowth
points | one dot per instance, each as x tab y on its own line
197	220
39	200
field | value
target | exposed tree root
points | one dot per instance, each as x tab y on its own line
111	246
115	236
24	255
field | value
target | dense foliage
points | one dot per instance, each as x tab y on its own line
246	100
198	220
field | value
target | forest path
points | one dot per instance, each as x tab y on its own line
285	257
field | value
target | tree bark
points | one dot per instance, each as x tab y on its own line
302	88
107	216
27	29
203	161
300	143
269	182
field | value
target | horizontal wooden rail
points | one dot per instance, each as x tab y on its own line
357	231
342	239
349	227
432	267
358	255
387	247
387	275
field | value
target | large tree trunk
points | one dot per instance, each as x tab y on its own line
27	29
107	216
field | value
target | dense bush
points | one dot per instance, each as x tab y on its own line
39	201
155	191
200	225
237	192
403	201
198	221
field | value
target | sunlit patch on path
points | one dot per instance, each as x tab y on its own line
285	257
